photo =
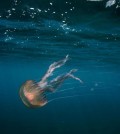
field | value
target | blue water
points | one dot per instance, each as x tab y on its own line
34	34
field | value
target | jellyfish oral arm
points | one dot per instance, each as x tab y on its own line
56	82
52	67
76	78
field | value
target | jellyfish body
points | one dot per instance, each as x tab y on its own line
34	94
31	94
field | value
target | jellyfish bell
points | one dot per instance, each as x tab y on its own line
32	95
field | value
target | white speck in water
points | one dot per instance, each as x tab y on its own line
92	89
15	2
13	9
94	0
45	11
8	11
96	84
54	12
51	3
8	16
67	28
8	39
75	44
110	3
73	30
5	32
32	8
22	42
32	16
117	6
63	21
39	10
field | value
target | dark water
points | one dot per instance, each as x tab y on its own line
34	34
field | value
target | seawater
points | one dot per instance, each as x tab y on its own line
34	34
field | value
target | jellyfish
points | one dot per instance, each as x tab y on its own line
34	94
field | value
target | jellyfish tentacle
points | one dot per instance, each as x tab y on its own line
56	82
52	67
79	95
68	89
74	77
65	97
59	63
